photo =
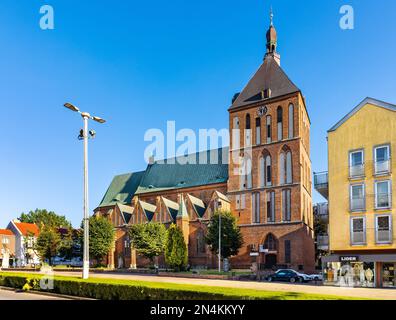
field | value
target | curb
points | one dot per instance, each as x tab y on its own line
50	294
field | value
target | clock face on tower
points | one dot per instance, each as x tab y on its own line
262	111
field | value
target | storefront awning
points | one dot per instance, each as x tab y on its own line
360	258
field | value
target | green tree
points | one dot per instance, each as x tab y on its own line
48	244
101	237
43	218
231	236
176	254
148	239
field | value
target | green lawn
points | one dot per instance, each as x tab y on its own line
231	293
216	272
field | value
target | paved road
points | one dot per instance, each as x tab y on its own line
387	294
12	295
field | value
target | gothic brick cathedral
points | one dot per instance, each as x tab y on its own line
264	178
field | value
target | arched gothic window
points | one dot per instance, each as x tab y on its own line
271	243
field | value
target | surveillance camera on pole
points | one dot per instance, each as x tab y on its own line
85	134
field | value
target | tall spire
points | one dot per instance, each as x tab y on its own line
272	39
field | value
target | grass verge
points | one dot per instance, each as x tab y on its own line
117	289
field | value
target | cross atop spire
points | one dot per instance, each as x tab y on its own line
271	17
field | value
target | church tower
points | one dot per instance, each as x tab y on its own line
270	168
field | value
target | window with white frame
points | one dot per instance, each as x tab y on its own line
383	229
6	240
383	194
357	197
382	159
356	163
358	231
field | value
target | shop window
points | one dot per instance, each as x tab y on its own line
349	274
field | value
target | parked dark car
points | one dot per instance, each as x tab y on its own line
286	275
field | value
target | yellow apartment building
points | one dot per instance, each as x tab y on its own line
359	187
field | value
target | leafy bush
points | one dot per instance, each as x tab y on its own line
176	254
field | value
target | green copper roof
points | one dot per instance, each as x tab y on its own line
122	189
186	171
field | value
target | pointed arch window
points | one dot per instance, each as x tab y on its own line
279	118
269	129
268	171
262	172
291	121
258	131
248	130
265	170
271	243
249	173
286	205
285	167
236	134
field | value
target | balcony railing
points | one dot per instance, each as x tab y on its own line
321	210
382	167
358	204
321	182
356	171
322	240
383	200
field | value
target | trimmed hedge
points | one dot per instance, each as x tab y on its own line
109	291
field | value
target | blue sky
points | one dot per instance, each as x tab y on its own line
141	63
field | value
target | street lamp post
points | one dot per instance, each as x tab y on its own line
84	135
219	206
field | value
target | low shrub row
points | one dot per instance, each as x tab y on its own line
120	289
111	291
